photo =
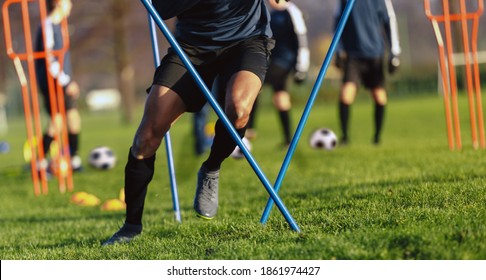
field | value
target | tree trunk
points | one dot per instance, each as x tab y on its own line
124	68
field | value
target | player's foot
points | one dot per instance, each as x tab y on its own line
41	165
124	235
344	141
284	145
206	200
376	140
76	163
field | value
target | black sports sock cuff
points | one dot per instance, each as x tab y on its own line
73	143
133	227
223	146
46	142
132	160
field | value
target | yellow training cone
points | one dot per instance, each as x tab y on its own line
85	199
113	205
121	196
77	197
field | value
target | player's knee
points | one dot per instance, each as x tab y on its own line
143	147
74	121
51	129
348	93
242	117
281	100
147	141
380	97
347	98
238	113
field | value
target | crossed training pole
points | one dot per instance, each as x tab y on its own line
160	23
274	198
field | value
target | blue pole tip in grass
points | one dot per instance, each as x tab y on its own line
167	138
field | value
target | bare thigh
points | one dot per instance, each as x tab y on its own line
162	108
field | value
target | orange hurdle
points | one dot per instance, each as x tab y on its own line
30	97
448	73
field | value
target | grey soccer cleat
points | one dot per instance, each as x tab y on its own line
206	200
124	235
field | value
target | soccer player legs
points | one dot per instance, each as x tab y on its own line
370	72
241	92
235	58
277	78
240	79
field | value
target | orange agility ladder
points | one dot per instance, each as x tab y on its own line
448	73
61	160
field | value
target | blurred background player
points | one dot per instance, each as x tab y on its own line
57	11
290	56
202	141
203	128
371	28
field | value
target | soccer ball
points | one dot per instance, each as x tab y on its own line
237	153
102	158
323	138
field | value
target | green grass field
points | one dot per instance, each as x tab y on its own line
409	198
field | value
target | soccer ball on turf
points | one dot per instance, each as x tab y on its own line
323	138
237	153
102	158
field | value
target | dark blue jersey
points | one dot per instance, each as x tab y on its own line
290	34
286	45
370	27
54	41
212	24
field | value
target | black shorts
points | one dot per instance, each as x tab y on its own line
277	77
69	101
366	71
251	54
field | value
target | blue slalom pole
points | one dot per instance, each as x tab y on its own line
168	143
158	20
308	107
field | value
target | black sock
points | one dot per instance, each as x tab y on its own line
379	116
138	174
344	118
46	143
223	146
285	120
73	143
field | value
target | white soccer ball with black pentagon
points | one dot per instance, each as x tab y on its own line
237	153
324	139
102	158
